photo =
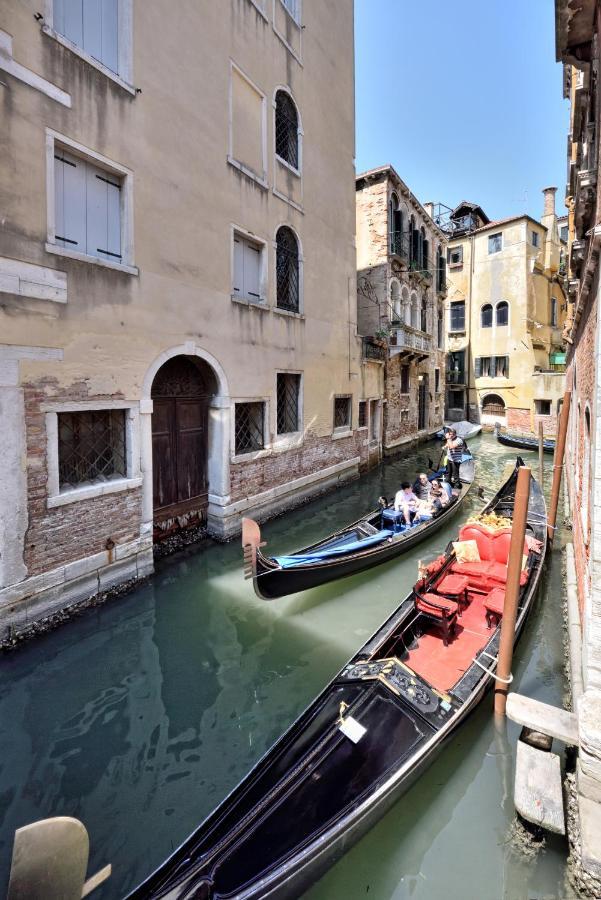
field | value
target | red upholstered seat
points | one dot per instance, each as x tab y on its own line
494	605
485	575
491	545
453	584
434	605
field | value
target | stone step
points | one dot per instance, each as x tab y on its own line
558	723
538	795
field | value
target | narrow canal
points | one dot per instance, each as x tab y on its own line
138	717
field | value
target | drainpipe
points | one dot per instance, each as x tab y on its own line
469	331
573	611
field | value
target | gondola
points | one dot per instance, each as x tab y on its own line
464	429
376	538
523	441
367	736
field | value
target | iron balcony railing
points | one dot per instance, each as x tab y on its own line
399	244
373	349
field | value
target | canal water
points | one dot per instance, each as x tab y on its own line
138	717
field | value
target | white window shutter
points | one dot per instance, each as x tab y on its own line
92	28
110	34
67	18
113	195
238	266
97	214
72	208
59	199
252	271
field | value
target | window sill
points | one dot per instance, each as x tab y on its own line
96	64
95	260
254	304
457	265
93	490
291	441
338	435
288	312
251	455
258	179
288	166
288	200
257	6
456	331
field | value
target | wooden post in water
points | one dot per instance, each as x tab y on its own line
512	589
560	446
541	452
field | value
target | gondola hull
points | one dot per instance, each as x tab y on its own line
321	787
523	442
271	581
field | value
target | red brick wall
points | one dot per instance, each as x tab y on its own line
400	413
518	419
67	533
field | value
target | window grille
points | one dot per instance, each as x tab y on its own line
91	446
288	390
503	313
486	316
404	379
286	129
458	316
342	412
249	427
287	270
493	405
362	415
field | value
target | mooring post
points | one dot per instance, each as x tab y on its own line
560	446
512	589
541	451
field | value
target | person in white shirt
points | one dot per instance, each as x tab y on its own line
406	502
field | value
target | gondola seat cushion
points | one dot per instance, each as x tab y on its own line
485	575
495	601
440	606
493	545
453	584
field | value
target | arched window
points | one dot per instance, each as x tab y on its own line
287	269
486	316
422	247
503	313
286	129
414	239
441	272
395	225
493	405
395	301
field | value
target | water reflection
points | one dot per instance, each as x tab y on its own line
140	716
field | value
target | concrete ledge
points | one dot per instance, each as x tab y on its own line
538	792
542	717
590	832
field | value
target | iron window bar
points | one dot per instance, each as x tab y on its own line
287	402
287	270
91	446
286	129
249	427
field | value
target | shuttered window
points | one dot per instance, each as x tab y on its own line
91	24
492	367
247	268
87	207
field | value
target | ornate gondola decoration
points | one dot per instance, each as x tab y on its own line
369	734
523	441
376	538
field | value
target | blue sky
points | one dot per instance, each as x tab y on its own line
464	98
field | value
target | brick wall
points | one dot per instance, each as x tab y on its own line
518	419
250	478
67	533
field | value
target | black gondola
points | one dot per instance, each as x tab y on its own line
367	736
374	539
523	441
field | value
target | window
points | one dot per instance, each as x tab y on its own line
492	367
457	316
287	270
342	412
91	447
495	242
534	237
288	394
395	227
362	414
455	255
423	321
248	120
293	7
374	420
486	316
249	427
440	335
542	407
456	400
436	381
87	207
456	367
404	379
286	129
91	25
493	405
563	233
503	313
247	268
553	312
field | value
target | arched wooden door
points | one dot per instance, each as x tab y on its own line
181	392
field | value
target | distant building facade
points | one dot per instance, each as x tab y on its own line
177	269
401	286
504	317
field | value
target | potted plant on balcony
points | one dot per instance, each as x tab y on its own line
381	336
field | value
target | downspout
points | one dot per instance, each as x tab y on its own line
469	331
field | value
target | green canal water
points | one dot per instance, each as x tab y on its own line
140	716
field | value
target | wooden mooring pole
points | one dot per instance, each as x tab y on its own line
560	447
541	454
512	589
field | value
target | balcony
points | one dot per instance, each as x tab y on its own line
374	349
399	245
409	343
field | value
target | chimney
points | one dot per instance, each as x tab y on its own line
549	195
429	207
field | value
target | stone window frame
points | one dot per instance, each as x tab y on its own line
133	479
492	237
261	179
55	139
267	445
263	301
300	313
298	172
296	22
290	439
124	78
342	430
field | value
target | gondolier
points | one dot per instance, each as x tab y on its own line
455	447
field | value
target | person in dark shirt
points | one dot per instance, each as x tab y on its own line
421	487
455	447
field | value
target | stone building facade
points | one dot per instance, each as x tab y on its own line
401	286
504	317
177	267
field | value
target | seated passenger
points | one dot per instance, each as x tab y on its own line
438	495
406	502
422	487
